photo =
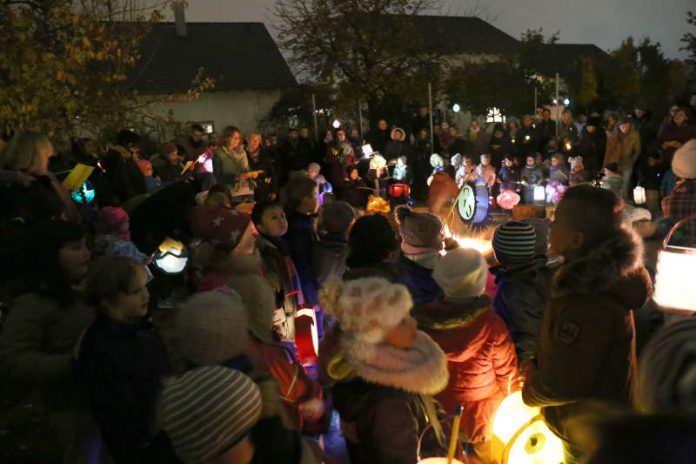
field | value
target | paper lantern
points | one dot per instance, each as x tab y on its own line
171	256
520	435
674	282
398	190
85	194
539	193
306	335
639	195
508	199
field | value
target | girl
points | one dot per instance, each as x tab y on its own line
385	372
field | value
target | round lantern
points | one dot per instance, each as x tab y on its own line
520	435
674	282
639	195
398	190
171	256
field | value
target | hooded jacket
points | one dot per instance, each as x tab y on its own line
623	149
587	343
480	357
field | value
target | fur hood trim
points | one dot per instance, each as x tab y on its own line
421	369
441	315
601	268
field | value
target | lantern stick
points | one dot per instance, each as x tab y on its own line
454	438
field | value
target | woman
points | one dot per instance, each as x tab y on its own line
41	331
675	134
230	162
385	372
30	191
122	361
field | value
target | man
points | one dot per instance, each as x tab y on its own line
587	344
527	139
379	139
623	148
546	128
592	146
193	146
259	160
567	130
123	179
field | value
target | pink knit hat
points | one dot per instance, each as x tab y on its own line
114	221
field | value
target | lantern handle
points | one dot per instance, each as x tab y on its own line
674	228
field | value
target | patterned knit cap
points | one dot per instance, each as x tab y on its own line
219	226
207	411
514	243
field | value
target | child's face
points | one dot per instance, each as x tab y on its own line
310	203
485	161
313	171
508	162
134	302
147	171
554	162
173	157
652	162
74	260
578	167
403	336
354	174
530	161
274	222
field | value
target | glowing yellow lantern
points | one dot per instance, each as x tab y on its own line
639	195
674	282
171	256
520	435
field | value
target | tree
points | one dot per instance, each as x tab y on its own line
689	40
368	49
63	64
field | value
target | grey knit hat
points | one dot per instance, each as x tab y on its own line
514	243
421	230
207	411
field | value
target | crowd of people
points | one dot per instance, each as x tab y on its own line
244	240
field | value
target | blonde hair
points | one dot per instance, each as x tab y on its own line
25	151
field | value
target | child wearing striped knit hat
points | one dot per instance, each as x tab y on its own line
522	281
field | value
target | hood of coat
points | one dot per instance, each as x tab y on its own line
441	315
615	266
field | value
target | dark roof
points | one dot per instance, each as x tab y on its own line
463	34
238	56
563	57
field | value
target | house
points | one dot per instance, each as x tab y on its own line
248	71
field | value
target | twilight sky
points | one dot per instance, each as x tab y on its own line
604	22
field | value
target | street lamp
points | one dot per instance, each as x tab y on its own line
456	108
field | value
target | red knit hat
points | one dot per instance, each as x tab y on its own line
220	226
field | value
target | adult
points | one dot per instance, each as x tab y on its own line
266	187
623	148
675	134
380	137
567	130
500	145
167	164
592	146
546	127
194	145
528	138
420	165
28	189
123	178
339	155
230	162
397	146
645	125
476	139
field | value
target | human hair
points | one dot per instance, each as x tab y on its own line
197	127
41	268
127	138
371	240
260	208
111	276
297	189
25	151
450	171
227	135
598	215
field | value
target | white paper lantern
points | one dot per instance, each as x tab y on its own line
539	193
674	282
639	195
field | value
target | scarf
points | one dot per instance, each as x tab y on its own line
422	369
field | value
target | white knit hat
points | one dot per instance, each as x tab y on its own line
369	307
684	161
208	410
212	328
461	273
436	161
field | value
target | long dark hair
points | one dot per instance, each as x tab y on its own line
371	240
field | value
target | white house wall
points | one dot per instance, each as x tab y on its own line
243	109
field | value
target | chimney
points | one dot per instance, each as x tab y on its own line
179	17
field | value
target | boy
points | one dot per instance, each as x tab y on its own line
587	343
330	253
509	175
278	267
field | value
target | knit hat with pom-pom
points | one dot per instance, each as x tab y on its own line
420	230
368	308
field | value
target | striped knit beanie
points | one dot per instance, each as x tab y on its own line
207	411
514	243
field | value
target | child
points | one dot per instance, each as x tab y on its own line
443	190
385	372
509	176
122	361
313	171
301	204
438	164
113	235
558	172
578	174
521	280
152	183
486	171
466	172
355	191
480	355
330	252
587	342
402	173
422	238
532	176
278	267
612	179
